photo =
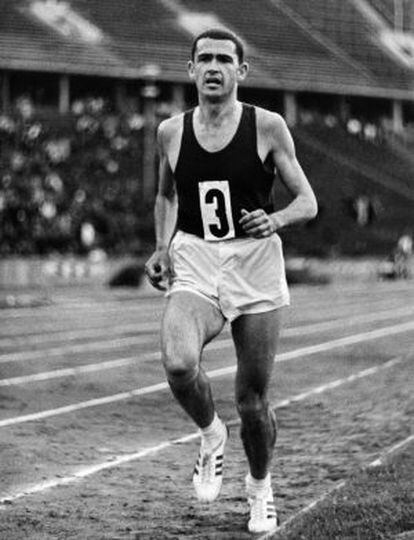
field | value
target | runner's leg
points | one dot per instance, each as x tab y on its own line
189	323
256	338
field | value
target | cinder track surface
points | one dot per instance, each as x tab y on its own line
93	446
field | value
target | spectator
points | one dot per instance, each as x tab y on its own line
402	255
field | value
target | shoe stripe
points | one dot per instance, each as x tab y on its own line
208	471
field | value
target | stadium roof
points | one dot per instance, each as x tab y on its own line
333	46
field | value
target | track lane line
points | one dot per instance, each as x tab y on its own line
94	346
217	345
156	301
126	458
50	328
44	311
290	355
81	333
115	331
79	370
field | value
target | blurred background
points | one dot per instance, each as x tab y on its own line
84	84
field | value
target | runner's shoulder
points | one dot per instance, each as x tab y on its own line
169	129
272	127
269	121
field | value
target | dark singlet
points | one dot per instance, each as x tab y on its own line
213	187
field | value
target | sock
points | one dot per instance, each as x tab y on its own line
212	435
258	487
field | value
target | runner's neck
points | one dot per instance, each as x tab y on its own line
214	115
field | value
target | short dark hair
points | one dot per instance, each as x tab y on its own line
220	33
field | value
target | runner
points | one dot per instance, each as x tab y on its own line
219	257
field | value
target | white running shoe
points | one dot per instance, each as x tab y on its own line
263	517
208	471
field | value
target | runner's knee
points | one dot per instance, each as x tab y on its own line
251	405
181	371
256	414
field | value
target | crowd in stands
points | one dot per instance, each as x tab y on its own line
363	184
375	132
70	184
73	184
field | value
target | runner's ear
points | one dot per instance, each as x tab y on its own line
242	71
190	69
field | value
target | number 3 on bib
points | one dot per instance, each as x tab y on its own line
216	214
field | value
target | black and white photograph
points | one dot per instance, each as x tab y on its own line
206	269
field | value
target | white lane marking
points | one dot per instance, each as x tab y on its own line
109	332
383	457
126	458
290	355
75	311
126	361
119	342
87	321
376	463
348	321
96	309
79	370
94	346
112	331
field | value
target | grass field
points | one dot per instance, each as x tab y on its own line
372	503
93	446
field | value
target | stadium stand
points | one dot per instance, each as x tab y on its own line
57	183
386	165
356	34
73	182
364	206
293	44
286	44
387	10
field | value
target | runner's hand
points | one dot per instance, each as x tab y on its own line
257	223
158	269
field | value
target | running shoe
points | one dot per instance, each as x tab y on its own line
208	471
263	517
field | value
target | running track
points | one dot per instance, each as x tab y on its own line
85	413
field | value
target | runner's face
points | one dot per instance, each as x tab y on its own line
215	68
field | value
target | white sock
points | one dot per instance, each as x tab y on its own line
257	487
212	435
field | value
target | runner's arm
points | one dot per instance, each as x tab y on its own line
165	211
277	140
303	206
158	267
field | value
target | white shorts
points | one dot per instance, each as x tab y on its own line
240	276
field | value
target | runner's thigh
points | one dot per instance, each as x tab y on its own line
256	339
189	323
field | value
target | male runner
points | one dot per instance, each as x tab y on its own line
219	257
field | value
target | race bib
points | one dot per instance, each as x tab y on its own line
216	214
